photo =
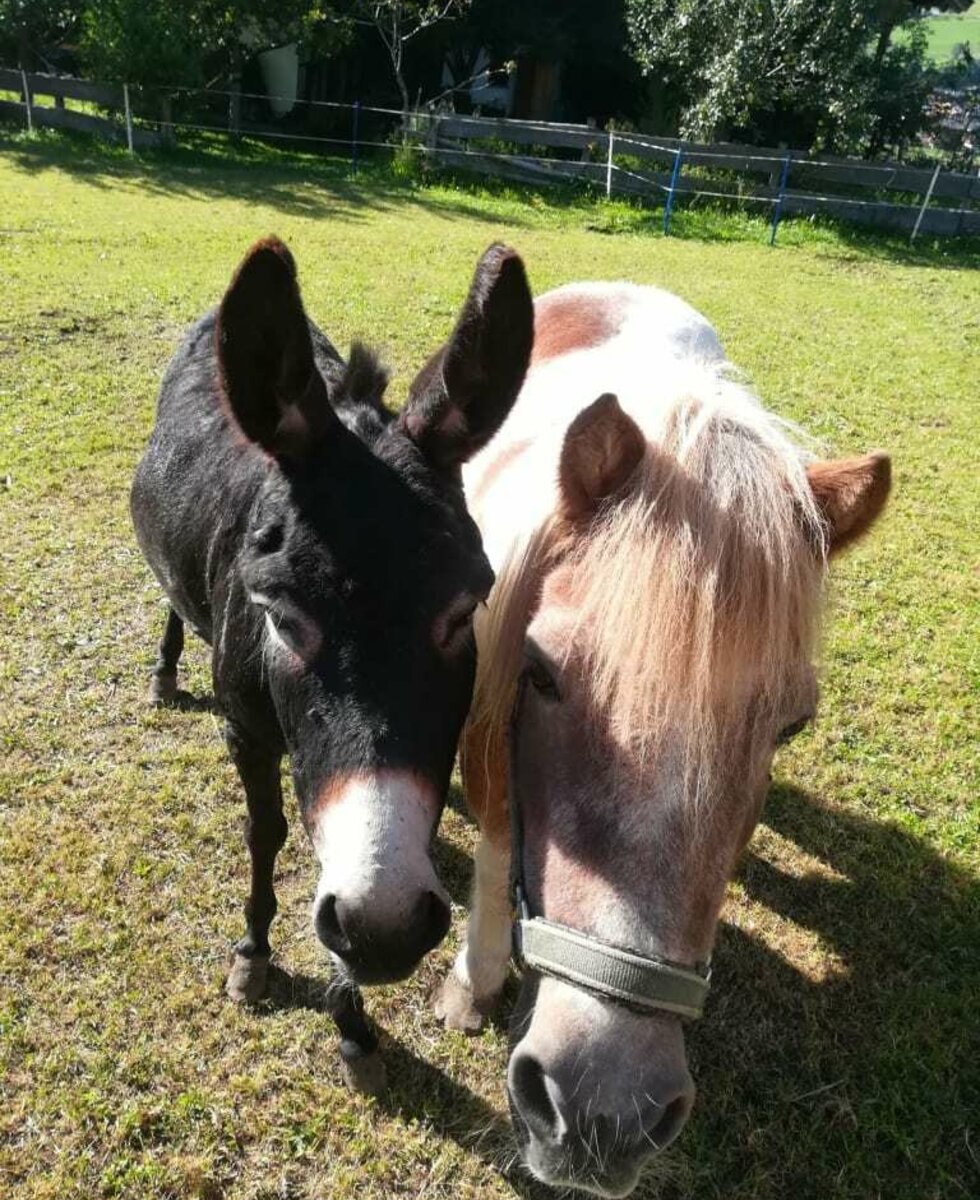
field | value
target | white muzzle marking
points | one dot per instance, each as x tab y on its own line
371	834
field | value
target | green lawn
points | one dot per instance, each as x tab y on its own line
840	1053
945	31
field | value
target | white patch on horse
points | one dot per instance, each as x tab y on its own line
371	835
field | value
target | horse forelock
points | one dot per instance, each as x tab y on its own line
695	593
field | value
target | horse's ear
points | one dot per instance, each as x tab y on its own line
602	448
274	390
463	394
850	494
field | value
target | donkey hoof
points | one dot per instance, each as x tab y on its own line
456	1006
163	689
364	1070
247	978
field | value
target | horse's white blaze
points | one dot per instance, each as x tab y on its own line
371	835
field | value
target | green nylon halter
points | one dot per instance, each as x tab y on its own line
638	981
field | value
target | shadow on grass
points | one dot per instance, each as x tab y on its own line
300	185
866	1081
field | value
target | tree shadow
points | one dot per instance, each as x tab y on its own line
297	185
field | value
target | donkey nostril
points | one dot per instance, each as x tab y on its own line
533	1100
669	1122
328	927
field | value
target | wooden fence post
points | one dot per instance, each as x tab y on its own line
609	160
674	176
925	203
27	101
129	118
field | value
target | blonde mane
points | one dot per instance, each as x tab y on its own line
696	588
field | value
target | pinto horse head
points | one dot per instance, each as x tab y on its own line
653	622
322	544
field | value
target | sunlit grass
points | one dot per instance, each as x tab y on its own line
839	1053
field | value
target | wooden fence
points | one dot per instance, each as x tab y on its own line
59	88
797	183
887	195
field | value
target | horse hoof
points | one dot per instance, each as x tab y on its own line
456	1006
247	979
163	689
364	1071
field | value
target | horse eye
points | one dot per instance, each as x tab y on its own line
792	730
454	628
541	679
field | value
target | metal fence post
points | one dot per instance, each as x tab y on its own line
778	212
356	123
674	176
129	118
609	161
925	203
27	101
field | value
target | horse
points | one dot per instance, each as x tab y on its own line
321	546
661	544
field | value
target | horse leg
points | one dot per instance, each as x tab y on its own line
364	1069
472	988
265	833
163	680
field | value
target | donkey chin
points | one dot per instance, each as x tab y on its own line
379	907
595	1090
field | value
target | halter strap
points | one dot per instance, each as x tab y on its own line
639	981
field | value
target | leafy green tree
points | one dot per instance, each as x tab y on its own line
804	72
29	27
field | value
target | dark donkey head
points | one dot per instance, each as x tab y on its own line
367	568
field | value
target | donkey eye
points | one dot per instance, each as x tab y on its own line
792	730
541	679
455	626
268	538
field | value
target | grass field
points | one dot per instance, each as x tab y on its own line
840	1053
945	31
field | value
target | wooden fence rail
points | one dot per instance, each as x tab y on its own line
57	116
631	164
478	144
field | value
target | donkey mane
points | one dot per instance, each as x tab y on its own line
698	585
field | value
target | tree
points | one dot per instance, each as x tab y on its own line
397	22
29	27
810	73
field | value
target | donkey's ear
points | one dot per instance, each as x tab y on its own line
602	448
463	394
274	390
850	494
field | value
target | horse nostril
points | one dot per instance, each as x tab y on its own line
533	1099
669	1122
329	929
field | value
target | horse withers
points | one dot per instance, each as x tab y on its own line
660	543
321	545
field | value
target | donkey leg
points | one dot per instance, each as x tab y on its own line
364	1069
472	988
163	680
265	833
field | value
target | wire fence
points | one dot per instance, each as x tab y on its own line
609	161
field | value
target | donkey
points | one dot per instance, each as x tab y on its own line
660	543
321	546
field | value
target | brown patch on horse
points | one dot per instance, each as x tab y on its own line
850	494
602	448
484	764
573	321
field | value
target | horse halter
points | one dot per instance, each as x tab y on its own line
637	981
